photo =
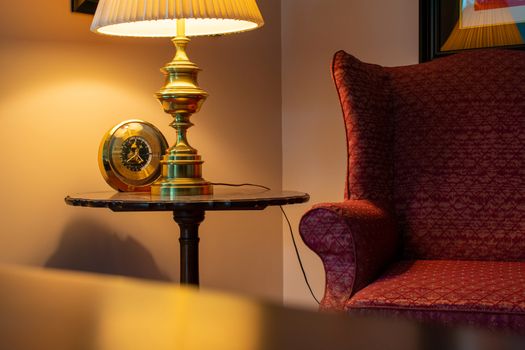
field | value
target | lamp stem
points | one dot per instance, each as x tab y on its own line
181	97
181	27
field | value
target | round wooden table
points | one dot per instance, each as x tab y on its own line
188	212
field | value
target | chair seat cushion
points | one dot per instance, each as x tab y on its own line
479	292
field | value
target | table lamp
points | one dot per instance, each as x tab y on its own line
180	96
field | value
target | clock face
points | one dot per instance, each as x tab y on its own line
135	153
130	155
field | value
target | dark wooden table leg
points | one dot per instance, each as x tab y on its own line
189	222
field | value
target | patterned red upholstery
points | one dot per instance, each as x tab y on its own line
338	231
459	156
364	94
448	288
440	147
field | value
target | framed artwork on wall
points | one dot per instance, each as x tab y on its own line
84	6
449	26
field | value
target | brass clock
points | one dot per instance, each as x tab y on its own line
130	155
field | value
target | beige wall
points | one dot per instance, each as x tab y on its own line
63	87
314	150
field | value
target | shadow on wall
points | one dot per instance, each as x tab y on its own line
88	246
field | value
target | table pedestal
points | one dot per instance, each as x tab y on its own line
189	221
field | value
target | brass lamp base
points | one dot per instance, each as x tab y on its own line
181	97
182	187
181	176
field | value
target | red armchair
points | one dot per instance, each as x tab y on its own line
433	222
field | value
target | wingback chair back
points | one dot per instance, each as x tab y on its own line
443	145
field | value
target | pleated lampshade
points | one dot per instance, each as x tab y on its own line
157	18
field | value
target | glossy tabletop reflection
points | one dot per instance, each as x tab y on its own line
45	309
222	199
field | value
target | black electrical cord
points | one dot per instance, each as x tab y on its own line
239	185
290	229
299	256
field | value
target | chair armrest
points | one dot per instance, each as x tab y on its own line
355	240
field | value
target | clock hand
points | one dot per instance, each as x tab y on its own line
132	155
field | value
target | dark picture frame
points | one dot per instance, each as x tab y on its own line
438	23
84	6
